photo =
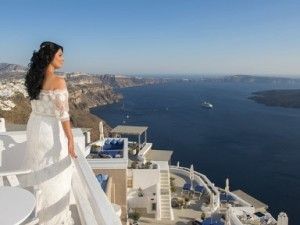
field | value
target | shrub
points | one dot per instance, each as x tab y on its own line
134	165
172	184
135	216
140	192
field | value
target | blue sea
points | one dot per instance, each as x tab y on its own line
256	146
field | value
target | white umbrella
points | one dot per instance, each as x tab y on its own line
192	175
101	130
227	185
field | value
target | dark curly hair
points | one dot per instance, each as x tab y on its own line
38	64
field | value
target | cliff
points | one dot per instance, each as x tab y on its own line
85	91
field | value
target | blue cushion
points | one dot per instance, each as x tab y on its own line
102	179
109	146
104	176
199	188
113	142
187	186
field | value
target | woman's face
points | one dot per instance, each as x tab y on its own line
58	60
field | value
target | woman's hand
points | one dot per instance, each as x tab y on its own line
71	149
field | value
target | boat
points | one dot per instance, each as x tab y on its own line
207	105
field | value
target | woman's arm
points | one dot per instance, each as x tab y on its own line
68	129
62	111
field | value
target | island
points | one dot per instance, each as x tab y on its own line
283	98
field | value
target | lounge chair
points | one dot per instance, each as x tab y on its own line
186	187
199	190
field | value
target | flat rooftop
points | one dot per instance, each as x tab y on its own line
258	205
158	155
134	130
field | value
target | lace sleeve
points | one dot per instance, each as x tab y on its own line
61	106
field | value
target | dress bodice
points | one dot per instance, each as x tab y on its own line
52	103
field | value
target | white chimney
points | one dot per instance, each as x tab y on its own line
88	137
2	125
282	219
227	185
101	132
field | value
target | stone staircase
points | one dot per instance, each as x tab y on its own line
165	196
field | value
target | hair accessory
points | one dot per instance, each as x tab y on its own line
44	44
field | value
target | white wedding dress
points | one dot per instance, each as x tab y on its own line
47	154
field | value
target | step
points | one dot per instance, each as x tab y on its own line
165	211
165	181
168	216
164	174
165	217
165	202
165	205
163	197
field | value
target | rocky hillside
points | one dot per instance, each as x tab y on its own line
8	70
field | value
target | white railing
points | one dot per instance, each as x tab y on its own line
93	205
158	202
208	185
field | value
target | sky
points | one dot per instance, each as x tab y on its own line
205	37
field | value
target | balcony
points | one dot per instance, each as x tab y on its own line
89	204
111	153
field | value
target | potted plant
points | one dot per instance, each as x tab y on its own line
134	165
187	201
180	203
148	165
172	185
133	149
94	148
140	192
135	216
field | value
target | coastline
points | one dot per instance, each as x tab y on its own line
281	98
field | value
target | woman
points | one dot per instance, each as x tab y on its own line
50	144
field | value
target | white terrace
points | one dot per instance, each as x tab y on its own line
89	204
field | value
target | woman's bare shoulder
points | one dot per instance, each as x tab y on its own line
59	83
59	77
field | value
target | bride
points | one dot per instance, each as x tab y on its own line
50	141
